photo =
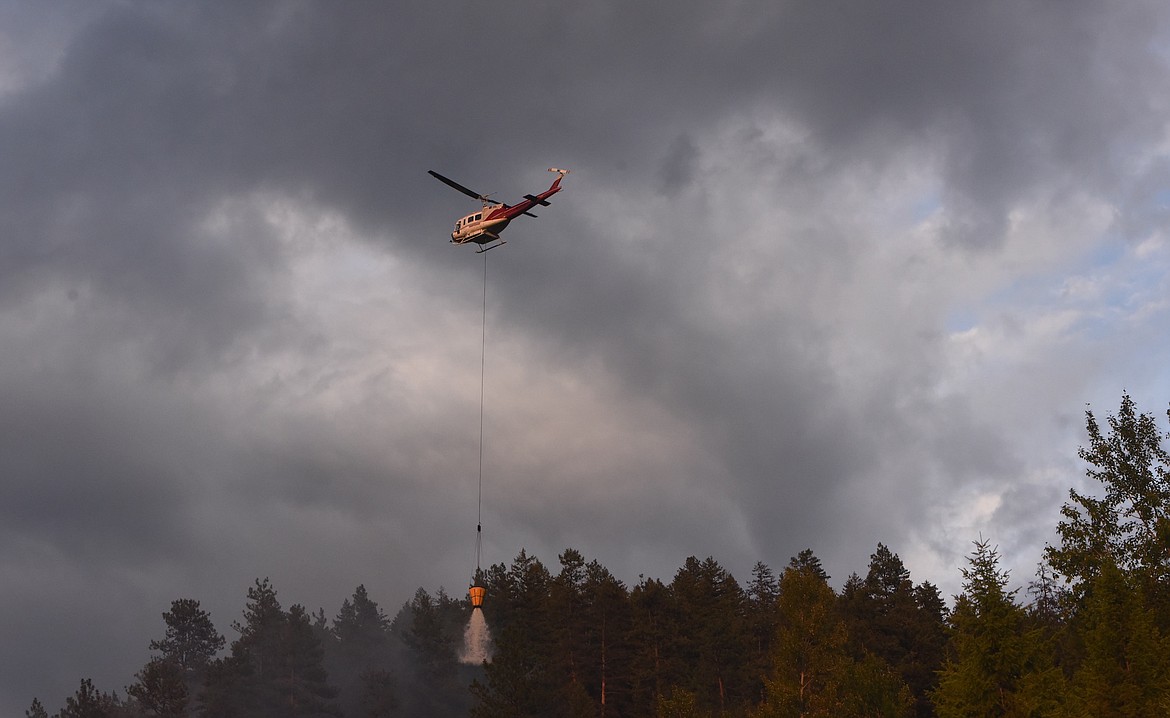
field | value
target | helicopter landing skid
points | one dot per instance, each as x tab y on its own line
501	243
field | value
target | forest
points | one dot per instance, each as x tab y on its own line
1089	635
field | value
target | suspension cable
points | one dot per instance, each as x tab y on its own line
482	363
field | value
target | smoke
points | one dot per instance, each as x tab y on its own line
476	640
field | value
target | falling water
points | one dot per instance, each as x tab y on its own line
476	640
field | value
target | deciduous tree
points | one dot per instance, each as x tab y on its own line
1129	526
813	672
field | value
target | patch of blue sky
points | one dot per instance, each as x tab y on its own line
1126	285
1105	284
1107	252
1155	391
1159	47
925	207
1098	325
1021	295
961	320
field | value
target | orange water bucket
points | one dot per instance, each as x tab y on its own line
476	593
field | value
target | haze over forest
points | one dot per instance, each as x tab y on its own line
825	275
1090	637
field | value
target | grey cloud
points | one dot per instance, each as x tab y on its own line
162	382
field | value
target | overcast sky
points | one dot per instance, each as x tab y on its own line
824	274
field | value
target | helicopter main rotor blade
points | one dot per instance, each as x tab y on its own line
455	185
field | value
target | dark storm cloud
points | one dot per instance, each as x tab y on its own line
155	426
678	168
348	103
72	476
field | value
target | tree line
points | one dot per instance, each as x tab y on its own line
1090	636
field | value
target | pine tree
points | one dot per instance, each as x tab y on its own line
589	618
261	633
607	610
1126	667
891	619
518	677
567	625
1050	601
302	681
712	630
927	646
998	664
430	668
190	643
379	696
89	702
762	596
653	635
806	560
228	688
431	647
361	626
320	627
36	710
191	640
680	703
276	667
161	688
360	646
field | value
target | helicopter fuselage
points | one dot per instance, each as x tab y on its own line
484	226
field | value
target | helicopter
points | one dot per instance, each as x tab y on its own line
484	227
